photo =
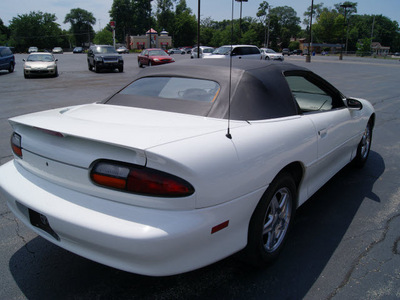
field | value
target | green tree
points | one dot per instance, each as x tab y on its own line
264	17
132	17
287	24
35	29
185	25
329	28
350	9
165	16
364	47
317	10
81	25
122	13
142	18
103	37
4	33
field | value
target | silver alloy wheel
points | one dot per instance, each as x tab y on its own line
366	142
277	218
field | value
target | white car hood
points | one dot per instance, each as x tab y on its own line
39	64
128	127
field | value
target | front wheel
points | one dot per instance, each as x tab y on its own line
271	221
364	146
96	68
149	64
11	68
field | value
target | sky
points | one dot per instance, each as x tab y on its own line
216	9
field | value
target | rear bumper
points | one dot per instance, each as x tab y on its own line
135	239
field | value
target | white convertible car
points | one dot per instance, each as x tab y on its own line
183	167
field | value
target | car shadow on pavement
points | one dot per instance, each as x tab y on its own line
43	270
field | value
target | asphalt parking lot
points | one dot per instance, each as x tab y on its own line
345	243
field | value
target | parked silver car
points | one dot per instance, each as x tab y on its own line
204	51
271	54
237	51
40	64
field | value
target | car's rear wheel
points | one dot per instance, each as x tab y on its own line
364	147
11	68
267	58
271	221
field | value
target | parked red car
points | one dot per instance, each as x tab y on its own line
154	56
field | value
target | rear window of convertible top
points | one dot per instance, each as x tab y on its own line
174	88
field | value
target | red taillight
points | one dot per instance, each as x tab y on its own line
16	144
139	180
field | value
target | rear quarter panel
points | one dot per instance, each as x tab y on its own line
223	169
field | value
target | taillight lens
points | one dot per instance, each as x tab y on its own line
16	144
139	180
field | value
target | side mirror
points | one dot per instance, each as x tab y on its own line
354	104
56	59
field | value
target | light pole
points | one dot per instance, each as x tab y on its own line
198	28
345	27
240	20
308	56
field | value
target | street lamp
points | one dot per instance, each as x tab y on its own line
308	56
345	27
198	28
240	20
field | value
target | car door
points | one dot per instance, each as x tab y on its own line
333	121
246	52
90	56
144	57
2	60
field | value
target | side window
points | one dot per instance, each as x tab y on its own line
253	50
236	51
308	95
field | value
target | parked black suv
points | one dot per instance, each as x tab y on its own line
104	57
7	59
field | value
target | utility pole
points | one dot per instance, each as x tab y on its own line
198	28
240	20
308	56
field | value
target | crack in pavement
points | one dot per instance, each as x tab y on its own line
17	229
362	255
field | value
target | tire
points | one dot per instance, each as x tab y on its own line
140	64
56	73
364	147
121	69
11	68
267	58
149	64
271	221
90	66
26	76
96	68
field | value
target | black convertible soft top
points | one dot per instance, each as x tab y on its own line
258	89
